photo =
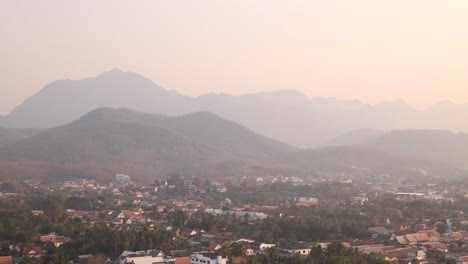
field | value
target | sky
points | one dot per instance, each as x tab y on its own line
370	50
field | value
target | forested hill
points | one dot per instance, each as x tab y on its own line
108	141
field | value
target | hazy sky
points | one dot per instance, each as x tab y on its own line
370	50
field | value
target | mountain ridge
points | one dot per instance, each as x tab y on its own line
285	115
107	141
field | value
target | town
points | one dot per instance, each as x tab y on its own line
193	219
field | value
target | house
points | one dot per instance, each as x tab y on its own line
373	249
155	253
77	214
249	251
207	257
416	238
398	254
436	247
453	236
182	260
325	245
141	257
297	250
214	247
382	238
190	232
462	260
57	241
122	178
431	233
245	240
264	246
307	201
6	260
29	250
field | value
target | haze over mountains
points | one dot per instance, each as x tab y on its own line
107	141
287	116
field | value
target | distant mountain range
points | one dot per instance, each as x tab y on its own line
287	116
107	141
356	137
436	145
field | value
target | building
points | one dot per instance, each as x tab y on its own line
122	178
207	258
6	260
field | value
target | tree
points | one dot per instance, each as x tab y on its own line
441	228
237	250
97	259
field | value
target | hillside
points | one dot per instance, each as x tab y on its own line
286	115
356	137
436	145
107	141
10	135
63	101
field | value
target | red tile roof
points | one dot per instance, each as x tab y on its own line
182	260
6	260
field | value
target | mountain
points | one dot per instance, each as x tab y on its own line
286	115
63	101
107	141
10	135
436	145
147	146
356	137
354	161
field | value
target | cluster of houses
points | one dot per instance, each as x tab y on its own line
34	250
402	245
408	244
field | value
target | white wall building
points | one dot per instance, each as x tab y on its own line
207	258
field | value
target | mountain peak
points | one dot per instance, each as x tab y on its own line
118	74
288	93
113	72
105	114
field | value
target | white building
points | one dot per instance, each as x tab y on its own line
264	246
141	257
122	178
207	258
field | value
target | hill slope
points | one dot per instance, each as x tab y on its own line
436	145
63	101
287	115
356	137
9	135
107	141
